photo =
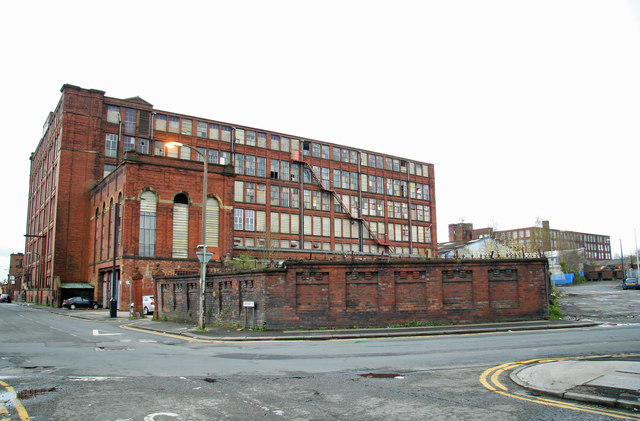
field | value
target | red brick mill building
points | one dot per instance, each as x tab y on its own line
106	196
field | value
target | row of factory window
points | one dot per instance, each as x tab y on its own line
289	197
575	237
598	256
342	179
324	226
41	192
144	146
563	244
279	169
214	131
285	244
44	171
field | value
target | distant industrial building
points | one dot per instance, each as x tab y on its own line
13	287
537	239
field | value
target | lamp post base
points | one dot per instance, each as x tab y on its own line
113	308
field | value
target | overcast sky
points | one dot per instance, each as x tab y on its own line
527	109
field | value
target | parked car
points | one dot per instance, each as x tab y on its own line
629	283
5	298
80	302
148	304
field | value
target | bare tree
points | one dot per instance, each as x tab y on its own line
269	247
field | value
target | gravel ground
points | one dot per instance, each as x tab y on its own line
603	301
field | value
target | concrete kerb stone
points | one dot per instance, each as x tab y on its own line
627	404
585	397
356	333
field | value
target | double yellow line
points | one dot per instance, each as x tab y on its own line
490	379
4	412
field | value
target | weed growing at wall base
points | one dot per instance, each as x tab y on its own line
554	305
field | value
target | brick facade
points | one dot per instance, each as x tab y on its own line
278	196
138	173
314	294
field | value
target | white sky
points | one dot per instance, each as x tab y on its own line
527	109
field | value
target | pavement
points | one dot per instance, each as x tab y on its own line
612	381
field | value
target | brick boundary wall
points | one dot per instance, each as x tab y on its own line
314	294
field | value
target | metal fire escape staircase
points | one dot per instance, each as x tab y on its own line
381	240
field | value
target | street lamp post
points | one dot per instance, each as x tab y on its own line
35	281
203	256
113	301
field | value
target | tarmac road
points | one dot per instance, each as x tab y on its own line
55	364
189	375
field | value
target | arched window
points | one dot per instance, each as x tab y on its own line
213	222
120	222
96	252
180	226
103	253
148	206
112	220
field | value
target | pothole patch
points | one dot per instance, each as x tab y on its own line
30	393
113	348
383	376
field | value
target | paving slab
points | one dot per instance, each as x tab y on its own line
618	380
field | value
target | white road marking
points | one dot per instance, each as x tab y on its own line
152	417
96	332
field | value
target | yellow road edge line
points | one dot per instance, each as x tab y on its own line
495	377
497	370
486	373
22	412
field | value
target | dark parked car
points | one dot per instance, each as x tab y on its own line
4	298
80	302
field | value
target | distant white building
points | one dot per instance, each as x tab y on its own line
573	259
481	248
